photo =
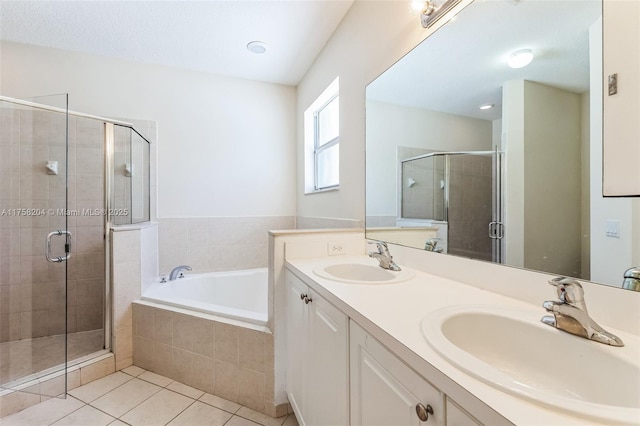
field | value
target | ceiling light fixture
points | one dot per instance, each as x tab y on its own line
257	47
486	106
520	58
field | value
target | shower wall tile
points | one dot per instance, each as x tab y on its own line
30	139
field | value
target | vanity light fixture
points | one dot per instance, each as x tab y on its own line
486	106
431	10
520	58
257	47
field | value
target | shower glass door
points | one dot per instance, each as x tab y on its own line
35	244
473	208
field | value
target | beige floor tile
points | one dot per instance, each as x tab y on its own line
259	418
118	423
291	421
201	414
160	409
133	370
17	401
185	390
44	413
223	404
240	421
124	398
154	378
85	416
94	390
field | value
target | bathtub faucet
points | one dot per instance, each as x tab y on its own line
177	272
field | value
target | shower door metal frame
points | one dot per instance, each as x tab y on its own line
108	182
496	226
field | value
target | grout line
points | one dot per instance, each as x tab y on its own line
219	408
68	414
131	407
185	408
97	398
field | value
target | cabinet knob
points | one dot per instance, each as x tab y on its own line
302	296
423	412
307	300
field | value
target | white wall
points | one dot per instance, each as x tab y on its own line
389	126
543	196
370	38
610	257
225	145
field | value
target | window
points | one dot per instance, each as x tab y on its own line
322	141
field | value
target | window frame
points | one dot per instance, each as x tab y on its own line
319	149
311	138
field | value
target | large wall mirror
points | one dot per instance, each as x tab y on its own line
469	156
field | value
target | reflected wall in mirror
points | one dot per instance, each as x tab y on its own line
518	181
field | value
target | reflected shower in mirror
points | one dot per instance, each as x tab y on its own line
467	155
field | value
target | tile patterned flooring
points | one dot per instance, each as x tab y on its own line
138	397
22	358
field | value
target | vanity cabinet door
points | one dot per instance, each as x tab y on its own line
456	416
297	325
384	390
328	371
621	121
317	357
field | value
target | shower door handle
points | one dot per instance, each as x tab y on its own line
67	247
496	230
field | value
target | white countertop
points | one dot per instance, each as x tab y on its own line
393	313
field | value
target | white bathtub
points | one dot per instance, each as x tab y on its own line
240	295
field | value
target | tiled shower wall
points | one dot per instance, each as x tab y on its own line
217	243
32	289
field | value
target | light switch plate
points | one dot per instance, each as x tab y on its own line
613	228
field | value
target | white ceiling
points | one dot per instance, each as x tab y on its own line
209	36
463	65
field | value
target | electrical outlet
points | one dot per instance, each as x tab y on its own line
335	248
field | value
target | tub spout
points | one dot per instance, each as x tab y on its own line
177	272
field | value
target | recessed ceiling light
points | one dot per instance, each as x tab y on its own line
520	58
257	47
486	106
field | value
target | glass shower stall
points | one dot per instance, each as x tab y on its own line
460	193
65	179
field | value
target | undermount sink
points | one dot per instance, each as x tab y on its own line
516	353
358	273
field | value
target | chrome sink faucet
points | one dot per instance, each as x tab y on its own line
177	272
570	313
431	245
383	256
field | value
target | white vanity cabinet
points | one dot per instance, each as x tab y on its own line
621	121
456	416
317	370
384	390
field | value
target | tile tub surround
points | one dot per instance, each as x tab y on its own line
134	263
139	397
212	244
225	360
